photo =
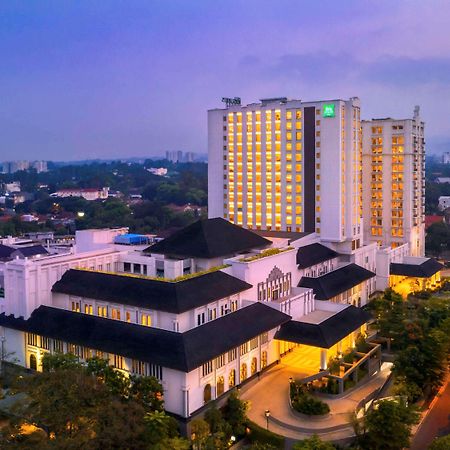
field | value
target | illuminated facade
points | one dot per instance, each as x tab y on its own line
288	165
394	182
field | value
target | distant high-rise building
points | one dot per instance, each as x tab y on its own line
179	156
15	166
39	166
446	158
288	165
394	182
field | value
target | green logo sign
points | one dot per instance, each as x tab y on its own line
328	110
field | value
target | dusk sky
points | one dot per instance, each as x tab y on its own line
104	79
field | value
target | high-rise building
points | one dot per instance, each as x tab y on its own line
394	182
446	158
39	166
288	165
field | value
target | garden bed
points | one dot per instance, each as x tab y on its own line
304	403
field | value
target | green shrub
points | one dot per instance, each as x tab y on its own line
263	436
304	403
310	406
349	357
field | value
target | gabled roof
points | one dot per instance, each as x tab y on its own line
313	254
337	281
324	334
424	270
209	238
175	297
179	351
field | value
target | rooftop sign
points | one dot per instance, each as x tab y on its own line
328	110
231	101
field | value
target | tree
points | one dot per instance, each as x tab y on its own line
235	413
313	443
438	238
441	443
199	434
74	406
388	425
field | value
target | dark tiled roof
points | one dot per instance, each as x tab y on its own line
327	333
312	254
179	351
26	251
6	251
424	270
174	297
210	238
337	281
32	250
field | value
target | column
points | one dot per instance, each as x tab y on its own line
323	359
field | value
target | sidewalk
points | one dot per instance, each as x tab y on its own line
272	393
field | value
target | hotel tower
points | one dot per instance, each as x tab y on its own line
394	182
288	165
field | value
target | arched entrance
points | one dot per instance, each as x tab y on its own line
220	386
207	393
254	366
33	362
243	371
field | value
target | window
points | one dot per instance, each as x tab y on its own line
254	343
234	305
118	362
207	393
243	349
232	355
220	386
45	343
139	367
146	320
115	313
102	311
232	379
264	338
76	306
127	267
207	368
88	309
32	339
212	314
243	371
220	361
254	366
263	359
200	319
128	316
58	346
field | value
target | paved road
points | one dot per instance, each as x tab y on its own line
437	422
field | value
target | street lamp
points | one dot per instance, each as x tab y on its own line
291	380
267	414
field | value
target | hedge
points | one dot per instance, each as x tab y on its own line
263	436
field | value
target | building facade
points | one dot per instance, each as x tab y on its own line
288	165
394	182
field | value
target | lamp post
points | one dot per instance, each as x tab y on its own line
267	414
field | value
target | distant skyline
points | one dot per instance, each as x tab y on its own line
115	79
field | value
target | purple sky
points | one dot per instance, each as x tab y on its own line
99	79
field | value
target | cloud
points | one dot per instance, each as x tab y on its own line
408	71
324	67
